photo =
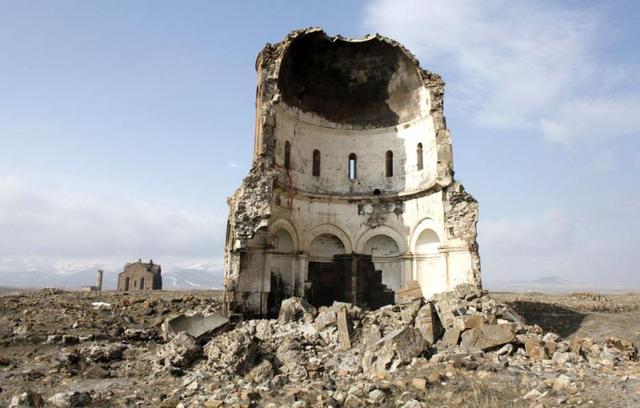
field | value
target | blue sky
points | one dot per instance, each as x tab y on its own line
125	125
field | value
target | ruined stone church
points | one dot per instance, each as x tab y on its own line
351	194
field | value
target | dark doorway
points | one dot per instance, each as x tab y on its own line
327	283
349	278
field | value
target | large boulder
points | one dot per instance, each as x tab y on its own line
393	350
181	351
488	337
294	309
233	351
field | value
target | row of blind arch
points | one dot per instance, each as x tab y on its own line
352	161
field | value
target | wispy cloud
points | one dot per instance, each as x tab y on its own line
66	232
521	65
595	246
235	165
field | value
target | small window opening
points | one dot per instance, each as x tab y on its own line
376	191
352	166
389	163
287	155
141	283
316	163
419	156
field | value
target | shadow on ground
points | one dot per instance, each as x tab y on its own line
557	319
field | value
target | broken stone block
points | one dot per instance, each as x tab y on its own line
428	323
343	329
409	293
451	337
294	309
396	348
326	317
233	351
563	357
70	399
261	372
505	350
139	334
419	384
487	337
535	349
628	349
181	351
200	326
28	399
104	353
469	321
372	335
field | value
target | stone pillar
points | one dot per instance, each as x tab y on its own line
99	280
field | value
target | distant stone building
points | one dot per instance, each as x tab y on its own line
140	276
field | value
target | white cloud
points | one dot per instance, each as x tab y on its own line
66	232
235	165
519	65
597	246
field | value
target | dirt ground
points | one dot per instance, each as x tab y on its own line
580	314
47	335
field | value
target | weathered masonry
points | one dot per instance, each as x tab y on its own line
140	276
351	193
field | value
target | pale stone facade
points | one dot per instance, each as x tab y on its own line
351	156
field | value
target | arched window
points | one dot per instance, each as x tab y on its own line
352	166
419	156
316	163
287	155
388	161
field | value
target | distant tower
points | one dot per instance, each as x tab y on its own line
99	280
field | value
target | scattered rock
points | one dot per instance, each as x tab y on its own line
200	326
294	309
70	399
27	399
181	351
104	352
487	337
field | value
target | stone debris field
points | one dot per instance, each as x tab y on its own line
174	349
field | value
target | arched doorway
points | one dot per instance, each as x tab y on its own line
429	264
327	281
282	279
385	253
324	247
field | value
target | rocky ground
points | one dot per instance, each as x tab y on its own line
467	348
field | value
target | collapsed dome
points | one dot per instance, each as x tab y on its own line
369	83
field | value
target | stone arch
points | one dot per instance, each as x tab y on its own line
387	256
329	229
380	230
381	246
286	225
425	224
427	242
429	264
324	246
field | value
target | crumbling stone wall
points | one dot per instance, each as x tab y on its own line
320	99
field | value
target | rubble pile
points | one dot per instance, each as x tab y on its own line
304	350
461	348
